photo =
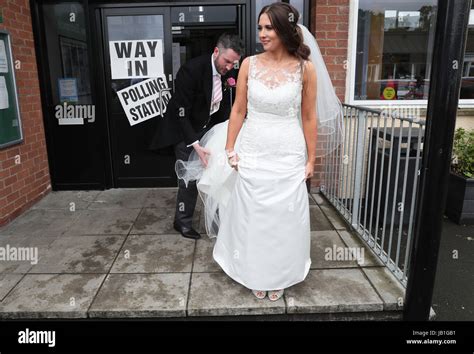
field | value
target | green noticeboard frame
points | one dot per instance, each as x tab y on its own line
10	123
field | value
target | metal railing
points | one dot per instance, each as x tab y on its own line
372	179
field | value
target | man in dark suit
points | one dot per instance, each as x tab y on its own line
199	102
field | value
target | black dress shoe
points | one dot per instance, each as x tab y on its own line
187	232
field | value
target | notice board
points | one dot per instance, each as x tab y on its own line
10	123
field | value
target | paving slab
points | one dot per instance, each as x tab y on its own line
353	241
73	254
333	290
326	250
332	214
116	221
216	294
20	253
128	198
142	295
41	222
170	253
203	260
67	200
319	199
51	296
318	221
8	282
387	286
161	198
154	221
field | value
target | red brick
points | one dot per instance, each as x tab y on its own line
336	51
12	197
320	19
5	191
337	35
326	10
20	202
22	18
338	18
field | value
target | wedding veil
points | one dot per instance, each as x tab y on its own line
328	107
216	182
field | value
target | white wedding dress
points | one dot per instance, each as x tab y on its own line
260	213
263	240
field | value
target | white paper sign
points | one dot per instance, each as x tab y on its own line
136	59
68	90
145	100
3	57
3	93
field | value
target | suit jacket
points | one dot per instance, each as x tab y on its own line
193	92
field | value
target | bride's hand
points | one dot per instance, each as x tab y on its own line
232	159
309	170
203	154
234	162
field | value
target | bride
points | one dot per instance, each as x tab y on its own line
254	186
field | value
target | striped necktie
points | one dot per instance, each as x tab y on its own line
217	92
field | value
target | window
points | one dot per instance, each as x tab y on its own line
394	41
67	52
467	83
195	15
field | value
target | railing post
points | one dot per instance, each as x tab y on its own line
445	81
359	162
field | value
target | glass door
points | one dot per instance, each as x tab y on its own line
138	84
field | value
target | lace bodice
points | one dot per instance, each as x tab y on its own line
274	94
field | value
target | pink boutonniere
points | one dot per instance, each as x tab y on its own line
230	82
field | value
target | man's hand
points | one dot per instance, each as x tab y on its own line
203	153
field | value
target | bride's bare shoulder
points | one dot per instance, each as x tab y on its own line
244	68
309	74
308	68
245	63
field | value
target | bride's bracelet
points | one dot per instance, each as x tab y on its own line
230	153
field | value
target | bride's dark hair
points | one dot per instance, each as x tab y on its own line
284	19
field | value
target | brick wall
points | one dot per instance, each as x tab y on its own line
23	183
330	24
